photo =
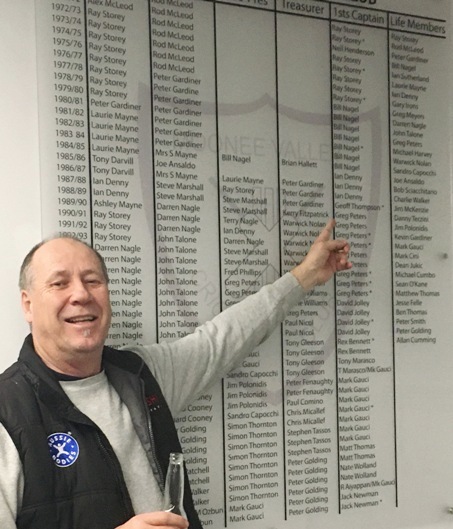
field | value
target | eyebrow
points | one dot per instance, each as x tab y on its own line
56	274
65	273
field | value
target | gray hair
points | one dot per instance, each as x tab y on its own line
24	274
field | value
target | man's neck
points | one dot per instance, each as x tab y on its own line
79	365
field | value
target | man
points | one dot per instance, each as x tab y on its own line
85	430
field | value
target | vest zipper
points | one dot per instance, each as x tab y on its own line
127	504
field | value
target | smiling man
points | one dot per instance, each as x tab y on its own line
86	430
65	298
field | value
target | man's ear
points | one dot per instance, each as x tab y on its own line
26	305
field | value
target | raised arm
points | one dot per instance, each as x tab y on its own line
186	367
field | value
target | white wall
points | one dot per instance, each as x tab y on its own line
19	163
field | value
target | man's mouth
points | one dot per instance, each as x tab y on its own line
81	319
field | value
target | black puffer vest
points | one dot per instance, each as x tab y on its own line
73	479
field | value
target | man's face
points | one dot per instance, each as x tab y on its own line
67	303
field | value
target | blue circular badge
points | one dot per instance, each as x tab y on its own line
64	449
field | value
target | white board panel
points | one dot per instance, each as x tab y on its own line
200	146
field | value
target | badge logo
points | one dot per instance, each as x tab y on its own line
64	449
153	402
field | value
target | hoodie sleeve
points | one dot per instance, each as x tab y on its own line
187	367
11	481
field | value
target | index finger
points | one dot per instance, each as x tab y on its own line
326	231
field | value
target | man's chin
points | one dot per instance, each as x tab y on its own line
87	340
87	345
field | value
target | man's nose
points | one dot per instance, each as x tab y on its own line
80	293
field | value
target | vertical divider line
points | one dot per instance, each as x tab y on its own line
334	278
279	214
88	128
216	104
392	295
150	54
